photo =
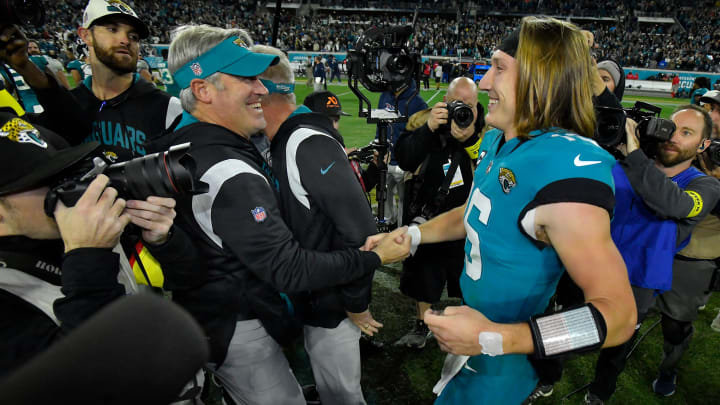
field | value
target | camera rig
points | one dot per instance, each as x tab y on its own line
382	61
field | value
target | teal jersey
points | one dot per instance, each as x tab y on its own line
39	61
22	91
171	85
509	275
76	65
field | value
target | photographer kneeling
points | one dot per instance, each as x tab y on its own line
440	146
56	273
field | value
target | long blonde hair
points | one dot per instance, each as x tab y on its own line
554	87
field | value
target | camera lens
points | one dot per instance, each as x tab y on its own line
463	117
399	64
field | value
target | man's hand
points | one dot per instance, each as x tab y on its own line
462	134
13	46
632	141
438	116
365	321
154	215
391	247
458	328
96	221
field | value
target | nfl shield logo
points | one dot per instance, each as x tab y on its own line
196	68
259	214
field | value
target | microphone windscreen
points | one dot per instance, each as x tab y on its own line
141	349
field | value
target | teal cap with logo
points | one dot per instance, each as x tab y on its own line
230	56
281	88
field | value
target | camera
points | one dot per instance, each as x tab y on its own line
22	12
651	129
163	174
713	152
460	113
381	60
366	154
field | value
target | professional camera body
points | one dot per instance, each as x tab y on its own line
381	61
651	129
163	174
713	152
460	113
22	12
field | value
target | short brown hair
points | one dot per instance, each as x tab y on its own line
707	121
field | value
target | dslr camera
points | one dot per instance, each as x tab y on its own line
22	12
713	152
163	174
461	114
651	129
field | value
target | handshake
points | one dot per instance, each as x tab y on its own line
392	247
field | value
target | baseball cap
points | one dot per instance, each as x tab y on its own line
27	158
230	56
324	102
97	9
712	96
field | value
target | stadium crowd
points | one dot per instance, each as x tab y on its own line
692	43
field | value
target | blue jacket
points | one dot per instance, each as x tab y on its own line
388	102
646	241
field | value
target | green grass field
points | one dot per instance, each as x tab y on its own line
402	376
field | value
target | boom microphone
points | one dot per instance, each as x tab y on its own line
140	349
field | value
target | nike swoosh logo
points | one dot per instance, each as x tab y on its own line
470	368
324	171
581	163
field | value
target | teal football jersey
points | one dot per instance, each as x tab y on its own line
509	276
76	65
24	93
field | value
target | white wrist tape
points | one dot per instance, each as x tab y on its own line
415	238
492	343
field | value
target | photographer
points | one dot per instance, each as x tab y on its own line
711	102
252	255
115	106
57	272
658	202
696	275
389	101
442	155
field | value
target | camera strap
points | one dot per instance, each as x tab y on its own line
438	201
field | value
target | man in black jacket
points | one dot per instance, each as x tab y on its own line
326	210
58	272
442	157
237	225
114	106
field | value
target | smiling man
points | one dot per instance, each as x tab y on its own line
540	203
251	254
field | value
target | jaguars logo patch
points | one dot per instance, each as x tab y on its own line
117	5
239	42
111	156
507	179
20	131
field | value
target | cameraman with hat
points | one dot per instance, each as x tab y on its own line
442	157
57	272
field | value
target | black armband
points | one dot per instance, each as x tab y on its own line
574	330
